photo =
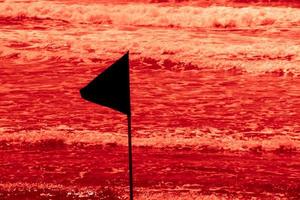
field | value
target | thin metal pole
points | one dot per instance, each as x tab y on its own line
129	139
130	157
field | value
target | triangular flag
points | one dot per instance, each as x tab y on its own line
111	87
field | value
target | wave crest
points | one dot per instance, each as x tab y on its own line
155	15
159	37
63	136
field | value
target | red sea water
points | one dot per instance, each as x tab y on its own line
215	97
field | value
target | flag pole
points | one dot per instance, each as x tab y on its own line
129	139
111	88
130	157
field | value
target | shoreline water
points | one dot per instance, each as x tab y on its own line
181	172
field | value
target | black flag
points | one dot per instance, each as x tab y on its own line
111	87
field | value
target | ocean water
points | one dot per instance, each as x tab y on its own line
215	99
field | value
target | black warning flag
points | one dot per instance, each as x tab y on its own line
111	87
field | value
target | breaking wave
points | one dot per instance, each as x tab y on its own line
61	137
158	37
154	15
22	190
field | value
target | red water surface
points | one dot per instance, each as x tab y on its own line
215	100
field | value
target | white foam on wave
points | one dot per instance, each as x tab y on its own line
49	190
141	193
155	15
185	35
211	140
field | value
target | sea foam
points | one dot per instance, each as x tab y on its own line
211	141
154	15
253	39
